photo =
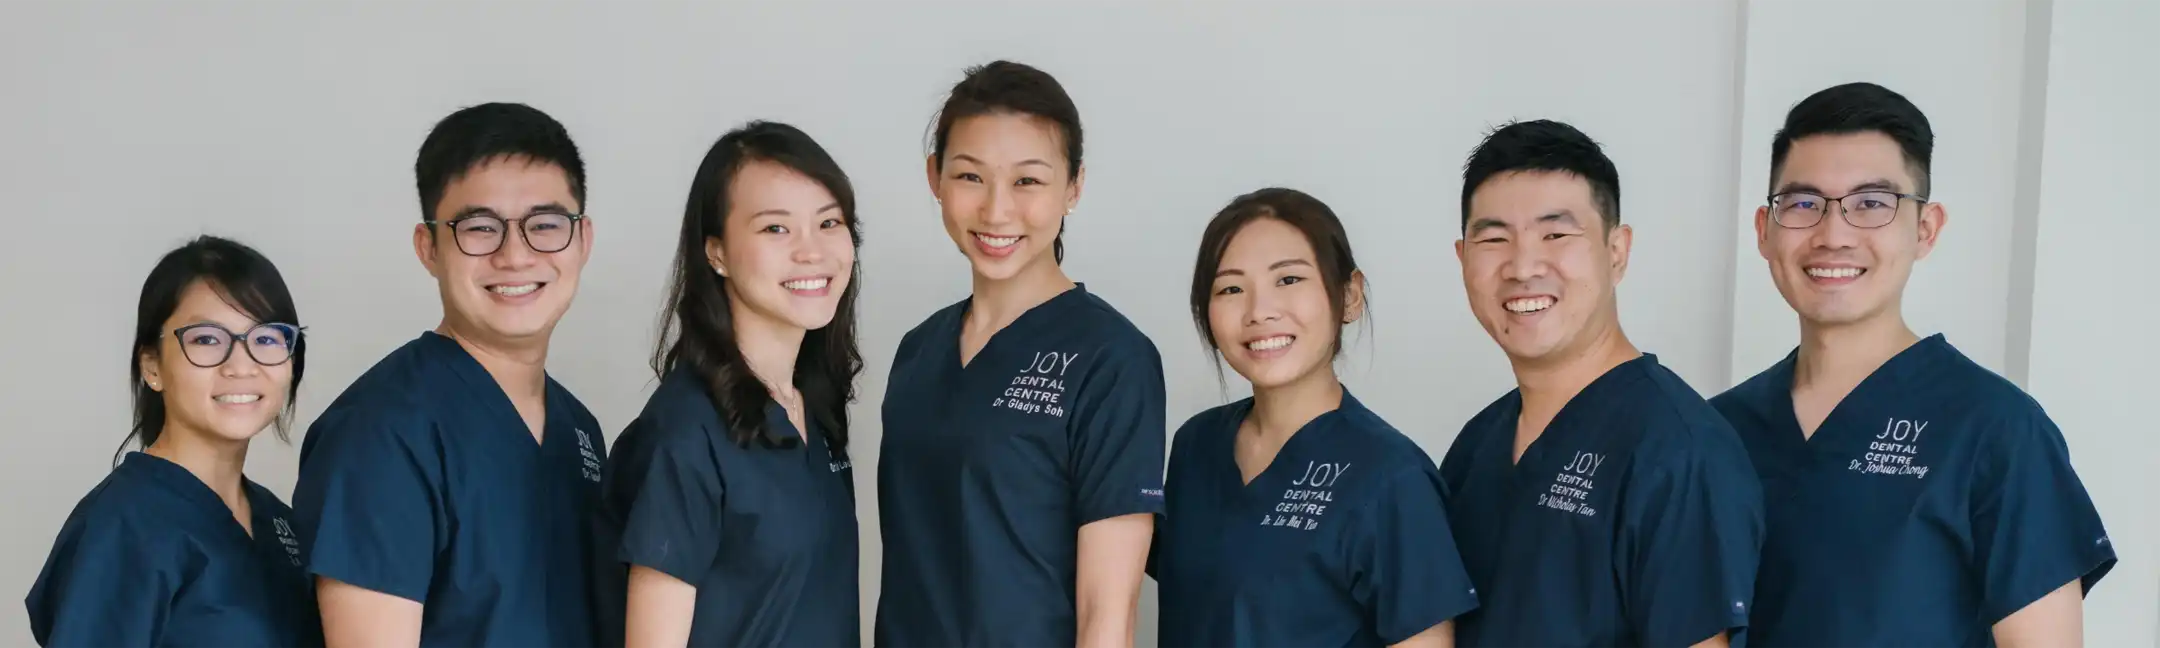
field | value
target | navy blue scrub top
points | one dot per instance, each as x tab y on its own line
1934	500
766	535
1633	519
987	472
1342	540
152	557
421	481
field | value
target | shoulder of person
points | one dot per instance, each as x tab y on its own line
937	323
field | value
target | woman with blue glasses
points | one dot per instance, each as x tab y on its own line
176	546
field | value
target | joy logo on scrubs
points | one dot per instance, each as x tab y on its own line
1301	508
1040	386
1893	451
288	539
1571	487
591	469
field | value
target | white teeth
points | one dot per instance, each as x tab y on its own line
515	289
1834	273
1528	304
806	284
237	399
998	241
1269	344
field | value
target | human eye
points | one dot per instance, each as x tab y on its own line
1027	180
967	176
774	228
1287	280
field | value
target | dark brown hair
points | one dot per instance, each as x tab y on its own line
1008	87
697	328
1331	250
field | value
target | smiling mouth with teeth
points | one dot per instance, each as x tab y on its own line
514	290
237	399
1527	305
807	284
1270	343
1835	273
997	241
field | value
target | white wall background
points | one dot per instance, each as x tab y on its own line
128	127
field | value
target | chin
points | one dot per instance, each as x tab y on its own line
810	321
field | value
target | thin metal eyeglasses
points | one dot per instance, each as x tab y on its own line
1862	209
482	235
209	345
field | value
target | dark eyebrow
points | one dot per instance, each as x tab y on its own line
548	208
471	211
963	157
1878	184
1278	265
1562	216
783	212
1484	224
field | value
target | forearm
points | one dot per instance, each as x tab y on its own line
659	610
2054	621
1112	555
356	616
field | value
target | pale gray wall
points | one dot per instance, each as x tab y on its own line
131	126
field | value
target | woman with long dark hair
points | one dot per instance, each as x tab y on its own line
1021	460
177	547
732	494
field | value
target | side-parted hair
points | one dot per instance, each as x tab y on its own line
1549	146
1007	87
246	280
1331	251
1859	108
489	132
697	329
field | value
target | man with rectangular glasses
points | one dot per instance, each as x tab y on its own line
1913	497
447	491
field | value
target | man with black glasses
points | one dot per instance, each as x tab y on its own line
447	491
1913	497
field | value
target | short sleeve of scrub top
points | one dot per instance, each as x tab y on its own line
1933	501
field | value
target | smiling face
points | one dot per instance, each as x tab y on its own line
1538	266
1270	314
1833	273
1004	190
514	295
232	401
786	253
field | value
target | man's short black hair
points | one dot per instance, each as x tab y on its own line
1859	108
1544	145
491	131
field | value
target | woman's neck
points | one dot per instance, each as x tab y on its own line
1279	412
217	462
770	348
997	302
